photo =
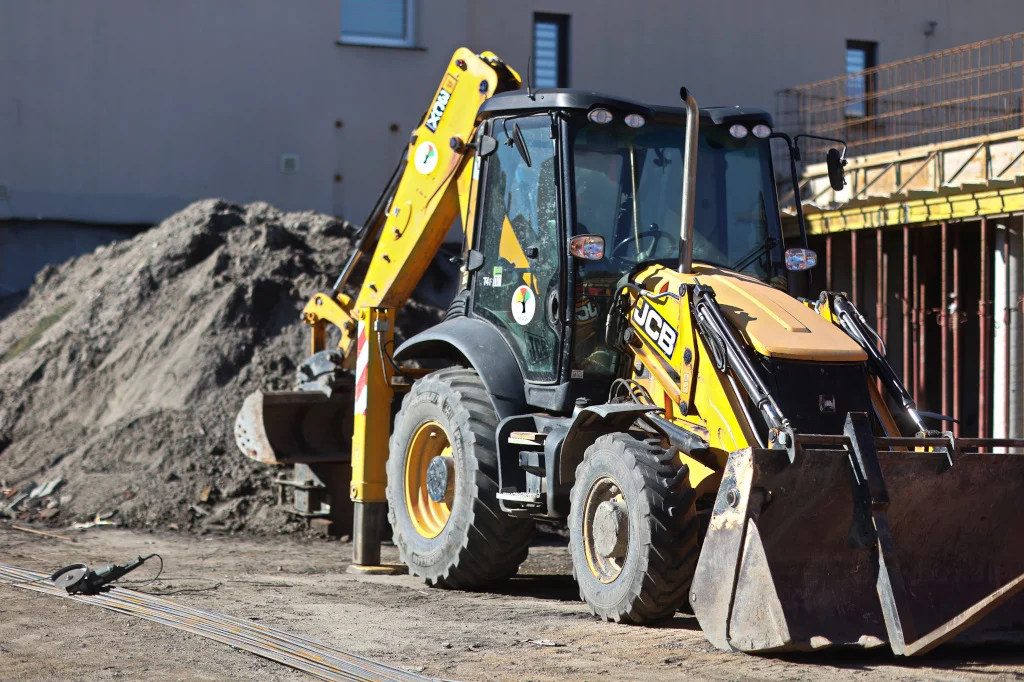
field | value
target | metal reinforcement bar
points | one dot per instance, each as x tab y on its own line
960	92
306	655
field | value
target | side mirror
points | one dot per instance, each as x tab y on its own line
836	174
520	144
800	259
587	247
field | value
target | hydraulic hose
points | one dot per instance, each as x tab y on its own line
730	355
854	324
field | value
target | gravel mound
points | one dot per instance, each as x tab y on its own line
123	369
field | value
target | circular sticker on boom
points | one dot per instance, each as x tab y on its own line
425	158
524	305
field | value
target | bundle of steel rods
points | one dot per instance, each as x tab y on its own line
302	654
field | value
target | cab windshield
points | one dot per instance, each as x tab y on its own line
629	191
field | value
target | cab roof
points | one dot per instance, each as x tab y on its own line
519	102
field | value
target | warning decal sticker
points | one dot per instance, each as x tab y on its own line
524	305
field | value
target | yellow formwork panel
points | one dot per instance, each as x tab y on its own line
916	212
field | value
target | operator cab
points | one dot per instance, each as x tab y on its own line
572	162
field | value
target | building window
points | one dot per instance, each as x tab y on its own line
860	55
550	50
387	23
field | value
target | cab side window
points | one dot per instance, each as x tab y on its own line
519	240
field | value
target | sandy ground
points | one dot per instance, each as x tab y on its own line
302	586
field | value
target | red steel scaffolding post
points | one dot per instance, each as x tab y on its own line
828	261
1007	325
919	327
983	337
853	266
879	292
955	321
922	346
947	407
908	378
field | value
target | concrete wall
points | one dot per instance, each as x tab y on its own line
124	111
737	51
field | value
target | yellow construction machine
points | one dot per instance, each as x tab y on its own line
623	357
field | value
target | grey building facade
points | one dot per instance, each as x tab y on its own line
120	111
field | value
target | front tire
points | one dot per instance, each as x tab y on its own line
452	533
633	529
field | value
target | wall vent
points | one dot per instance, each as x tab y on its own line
289	163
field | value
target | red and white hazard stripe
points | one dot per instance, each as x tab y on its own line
362	369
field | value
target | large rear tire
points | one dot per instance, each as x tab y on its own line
633	529
445	430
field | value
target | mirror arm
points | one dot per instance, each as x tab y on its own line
819	137
794	155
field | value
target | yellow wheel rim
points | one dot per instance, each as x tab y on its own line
606	567
428	517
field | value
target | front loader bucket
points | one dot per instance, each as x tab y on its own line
295	427
829	549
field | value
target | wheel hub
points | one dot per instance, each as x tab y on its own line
440	477
605	529
610	529
429	479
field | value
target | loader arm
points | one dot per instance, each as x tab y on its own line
841	311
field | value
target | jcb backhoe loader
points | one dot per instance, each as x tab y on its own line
623	356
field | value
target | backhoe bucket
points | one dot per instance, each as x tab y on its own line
857	546
295	427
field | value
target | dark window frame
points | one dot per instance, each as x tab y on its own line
561	23
407	41
869	49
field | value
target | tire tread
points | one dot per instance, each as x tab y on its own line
494	544
671	557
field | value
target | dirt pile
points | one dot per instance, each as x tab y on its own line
123	369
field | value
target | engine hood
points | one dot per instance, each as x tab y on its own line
776	324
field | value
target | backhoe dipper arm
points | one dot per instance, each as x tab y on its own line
415	212
410	221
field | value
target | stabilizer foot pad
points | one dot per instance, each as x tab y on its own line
386	569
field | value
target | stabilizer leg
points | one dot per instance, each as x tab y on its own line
371	427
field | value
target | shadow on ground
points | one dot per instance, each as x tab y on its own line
949	657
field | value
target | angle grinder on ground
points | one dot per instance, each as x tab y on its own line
80	579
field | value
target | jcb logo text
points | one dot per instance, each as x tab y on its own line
437	111
653	324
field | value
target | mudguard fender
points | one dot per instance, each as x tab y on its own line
482	346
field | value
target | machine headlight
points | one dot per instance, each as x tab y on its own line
635	120
601	116
738	131
761	131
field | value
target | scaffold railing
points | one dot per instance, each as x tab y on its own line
974	89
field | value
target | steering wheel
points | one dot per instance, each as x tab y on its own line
653	232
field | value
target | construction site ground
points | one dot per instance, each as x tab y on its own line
534	628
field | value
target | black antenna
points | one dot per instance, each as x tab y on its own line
529	76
